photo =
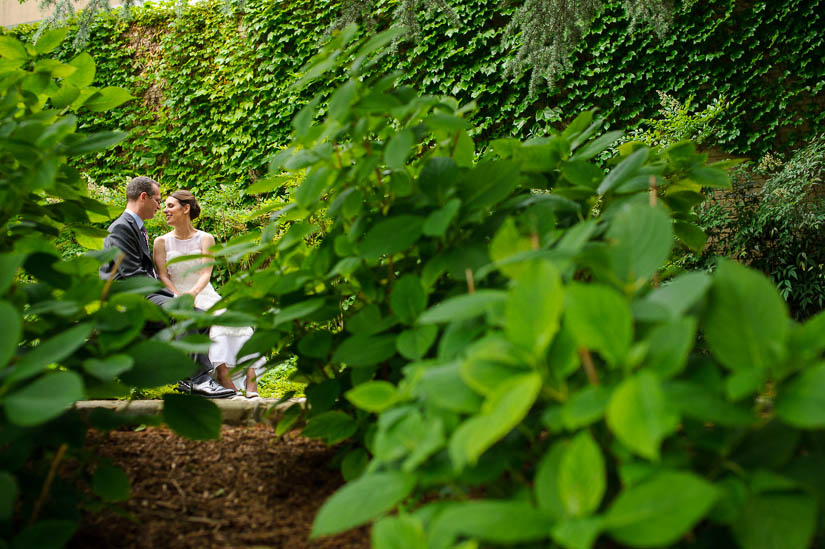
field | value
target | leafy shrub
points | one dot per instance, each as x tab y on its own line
502	365
66	335
776	227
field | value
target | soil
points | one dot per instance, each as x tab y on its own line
248	489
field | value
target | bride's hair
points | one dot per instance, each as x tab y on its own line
186	197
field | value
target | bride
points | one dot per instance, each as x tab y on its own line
180	209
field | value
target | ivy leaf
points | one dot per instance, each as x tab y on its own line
362	500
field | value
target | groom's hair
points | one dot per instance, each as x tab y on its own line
186	197
138	185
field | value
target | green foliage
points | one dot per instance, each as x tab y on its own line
561	391
67	335
215	99
775	227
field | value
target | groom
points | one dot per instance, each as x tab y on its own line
128	233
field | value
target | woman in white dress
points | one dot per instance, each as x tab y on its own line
181	278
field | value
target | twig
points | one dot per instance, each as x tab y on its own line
392	268
111	278
48	484
471	283
589	368
455	143
653	196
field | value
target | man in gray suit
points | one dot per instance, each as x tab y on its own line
128	233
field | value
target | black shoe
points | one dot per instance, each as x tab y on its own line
205	386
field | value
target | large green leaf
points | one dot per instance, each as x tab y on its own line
624	170
391	236
582	476
639	415
585	407
801	402
669	345
111	483
44	399
8	495
746	323
10	334
12	49
659	511
108	368
157	363
408	298
399	532
699	402
413	344
50	351
776	521
192	416
599	318
373	396
500	522
361	501
640	239
506	243
443	386
672	300
534	305
463	307
358	350
500	414
398	148
85	73
546	485
50	39
437	222
332	426
107	99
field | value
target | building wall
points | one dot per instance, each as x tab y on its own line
12	12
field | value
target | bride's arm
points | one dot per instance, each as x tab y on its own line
207	241
159	255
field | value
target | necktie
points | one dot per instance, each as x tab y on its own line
146	239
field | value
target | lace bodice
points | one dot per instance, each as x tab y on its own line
185	274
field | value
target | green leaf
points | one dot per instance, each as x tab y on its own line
463	307
96	142
577	533
85	73
397	149
47	534
50	351
801	402
776	521
108	368
599	318
11	332
696	401
661	510
9	264
585	407
507	243
624	170
408	298
414	343
671	301
746	323
464	151
443	386
691	235
111	483
597	146
309	193
49	40
8	495
157	363
546	485
44	399
669	345
640	241
500	414
391	236
373	396
333	427
315	344
107	99
361	501
706	176
639	416
12	49
534	306
399	532
192	416
359	350
582	476
288	419
500	522
437	222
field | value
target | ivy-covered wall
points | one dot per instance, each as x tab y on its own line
214	104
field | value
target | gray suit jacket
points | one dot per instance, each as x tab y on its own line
125	234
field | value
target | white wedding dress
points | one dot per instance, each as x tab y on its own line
226	340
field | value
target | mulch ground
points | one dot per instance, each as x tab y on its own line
248	489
